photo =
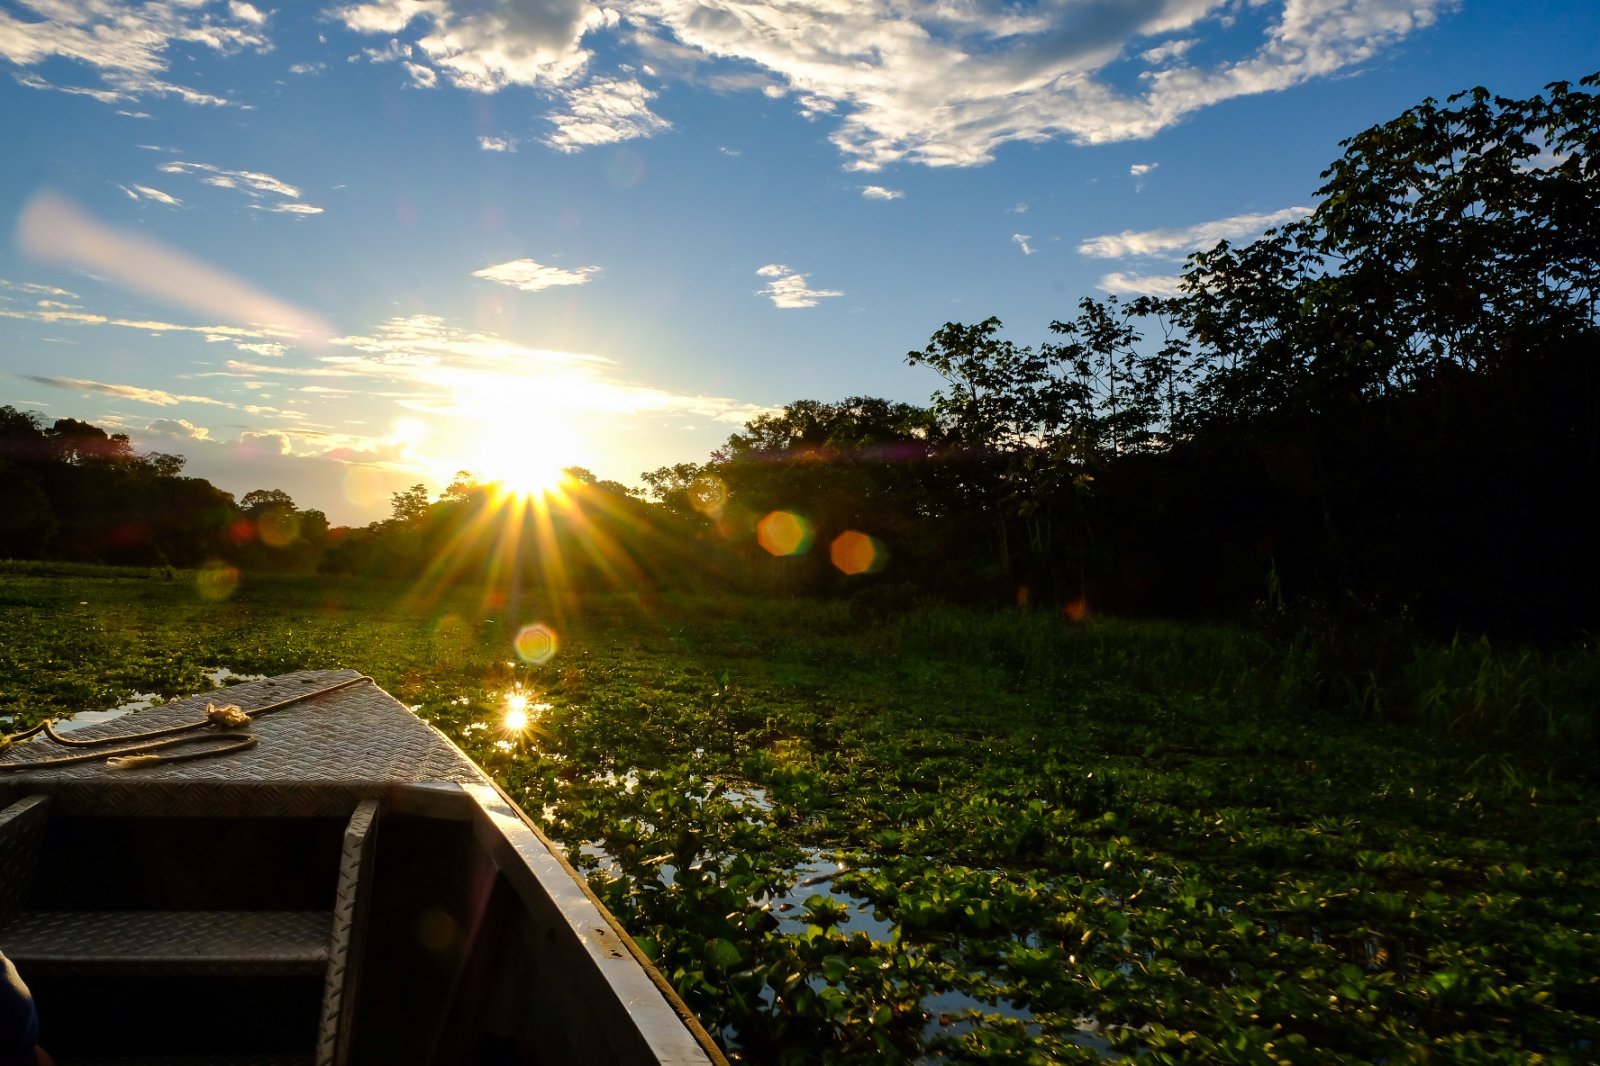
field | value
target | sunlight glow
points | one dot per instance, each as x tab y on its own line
520	441
516	712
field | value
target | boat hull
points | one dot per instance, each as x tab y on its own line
456	932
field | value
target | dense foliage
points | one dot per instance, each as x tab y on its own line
73	491
1391	405
851	836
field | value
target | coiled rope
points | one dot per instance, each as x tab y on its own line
141	749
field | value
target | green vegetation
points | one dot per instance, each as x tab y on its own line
1046	840
860	825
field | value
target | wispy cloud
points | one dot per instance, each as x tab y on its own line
529	276
1139	170
1021	241
436	367
1185	239
32	289
127	45
789	290
604	112
145	192
53	314
1140	284
497	144
135	393
878	192
266	192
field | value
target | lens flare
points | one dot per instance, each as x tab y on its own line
858	553
278	527
784	533
536	644
217	580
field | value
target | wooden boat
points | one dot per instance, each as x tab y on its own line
332	882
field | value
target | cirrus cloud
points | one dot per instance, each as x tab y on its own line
1185	239
530	276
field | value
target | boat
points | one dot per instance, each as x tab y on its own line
298	869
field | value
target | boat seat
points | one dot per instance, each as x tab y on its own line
57	949
159	943
191	1060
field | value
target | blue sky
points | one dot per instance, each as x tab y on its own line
339	249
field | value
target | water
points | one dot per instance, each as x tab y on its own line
219	676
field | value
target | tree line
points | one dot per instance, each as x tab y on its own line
73	491
1390	406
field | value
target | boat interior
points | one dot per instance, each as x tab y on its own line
336	883
415	929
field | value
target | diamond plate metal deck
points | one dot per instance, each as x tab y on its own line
318	757
248	943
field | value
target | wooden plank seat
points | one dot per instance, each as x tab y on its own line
157	943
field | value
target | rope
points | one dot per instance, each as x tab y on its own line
139	749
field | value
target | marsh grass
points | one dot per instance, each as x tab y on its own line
1303	843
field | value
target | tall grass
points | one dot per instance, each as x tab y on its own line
1467	689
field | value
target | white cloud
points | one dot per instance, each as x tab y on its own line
1017	209
126	45
497	144
529	276
1140	284
1170	50
878	192
1185	239
177	429
487	46
1021	241
266	192
307	68
288	209
422	77
789	290
946	84
438	368
269	348
1139	170
145	192
604	112
271	442
36	290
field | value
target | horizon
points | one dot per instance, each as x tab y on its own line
339	252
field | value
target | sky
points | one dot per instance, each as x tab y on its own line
339	249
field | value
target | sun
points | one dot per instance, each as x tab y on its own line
525	456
